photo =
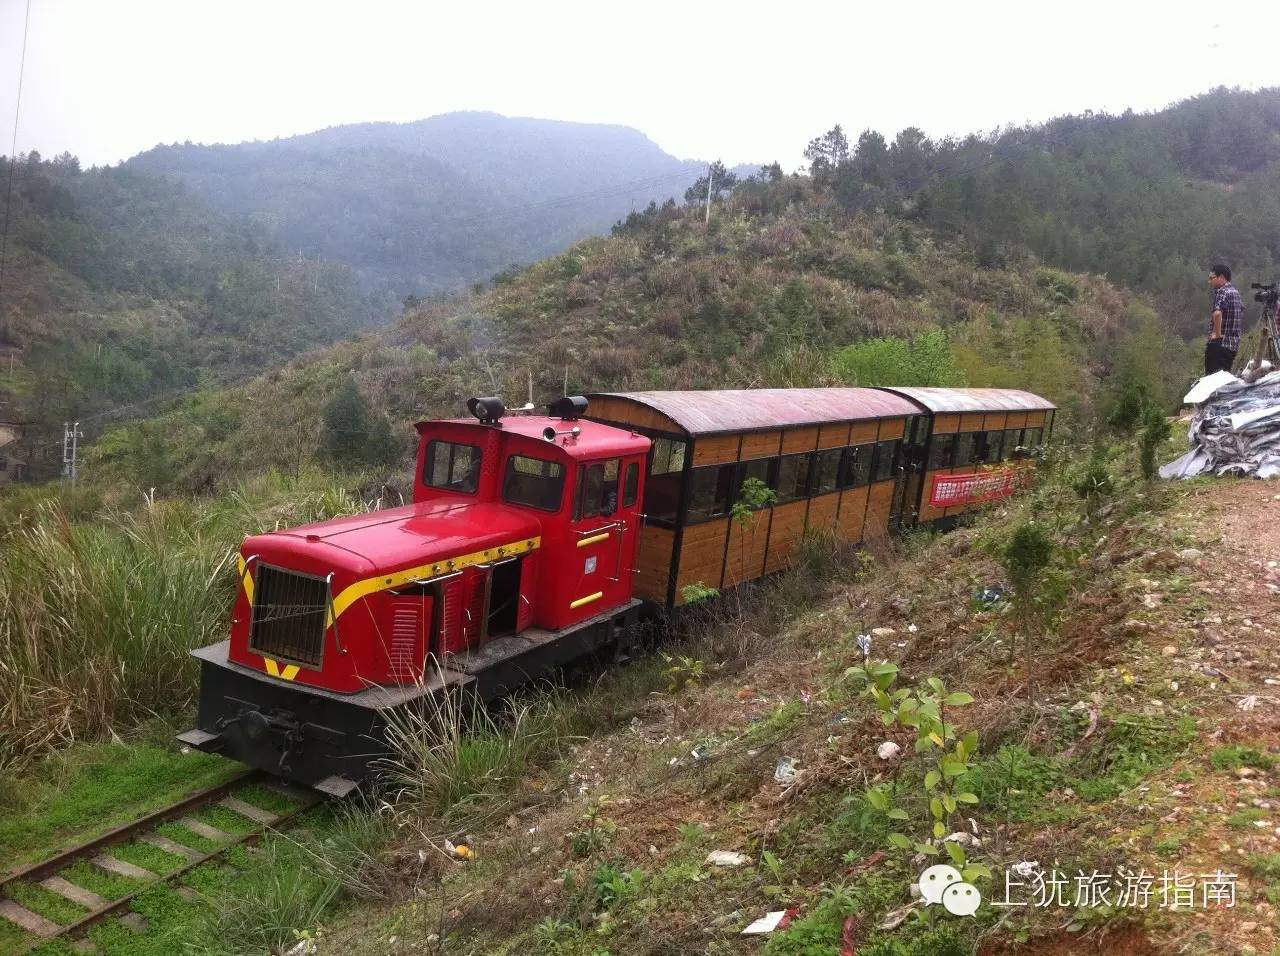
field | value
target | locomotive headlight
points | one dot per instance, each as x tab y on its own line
488	410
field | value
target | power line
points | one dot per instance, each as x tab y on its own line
13	149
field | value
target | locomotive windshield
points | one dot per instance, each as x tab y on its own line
533	482
452	466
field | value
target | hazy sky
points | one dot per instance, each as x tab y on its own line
744	82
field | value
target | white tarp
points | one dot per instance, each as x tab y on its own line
1235	429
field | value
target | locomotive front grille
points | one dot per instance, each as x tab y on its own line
289	612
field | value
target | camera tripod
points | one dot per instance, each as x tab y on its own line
1268	339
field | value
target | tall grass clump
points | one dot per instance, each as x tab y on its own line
97	613
453	760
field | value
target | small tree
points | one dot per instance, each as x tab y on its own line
351	434
1155	431
1025	557
722	181
1094	484
828	151
754	496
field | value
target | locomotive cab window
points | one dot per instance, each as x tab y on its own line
630	485
533	482
452	466
597	489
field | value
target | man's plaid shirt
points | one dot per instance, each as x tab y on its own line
1227	301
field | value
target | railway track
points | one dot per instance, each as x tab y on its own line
180	817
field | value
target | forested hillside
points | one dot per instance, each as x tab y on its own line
1150	200
419	207
783	288
119	285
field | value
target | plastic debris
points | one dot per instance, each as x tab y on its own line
888	750
726	858
990	595
864	645
778	919
459	851
1235	429
786	770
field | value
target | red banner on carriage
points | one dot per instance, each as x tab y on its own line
951	490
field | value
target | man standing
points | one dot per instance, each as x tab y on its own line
1226	323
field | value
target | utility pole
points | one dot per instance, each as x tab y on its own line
711	174
71	436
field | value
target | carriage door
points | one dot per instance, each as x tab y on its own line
604	532
910	474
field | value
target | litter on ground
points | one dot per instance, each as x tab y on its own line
1235	429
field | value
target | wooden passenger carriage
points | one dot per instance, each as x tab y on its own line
859	461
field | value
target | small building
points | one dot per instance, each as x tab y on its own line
13	465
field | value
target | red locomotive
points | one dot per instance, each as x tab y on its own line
533	540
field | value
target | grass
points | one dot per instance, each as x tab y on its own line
451	757
91	788
97	613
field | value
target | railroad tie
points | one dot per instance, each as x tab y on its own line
256	814
121	868
76	894
31	922
288	790
171	847
200	828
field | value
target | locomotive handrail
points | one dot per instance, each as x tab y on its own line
337	638
608	527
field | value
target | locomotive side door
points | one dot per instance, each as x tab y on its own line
604	532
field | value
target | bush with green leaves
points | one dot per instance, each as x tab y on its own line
1025	557
948	757
1155	432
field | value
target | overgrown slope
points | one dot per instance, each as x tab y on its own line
761	297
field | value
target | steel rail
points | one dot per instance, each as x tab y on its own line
75	929
121	834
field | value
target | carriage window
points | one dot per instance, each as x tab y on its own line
995	446
453	466
826	470
763	469
793	477
533	482
668	456
886	459
710	492
857	466
964	450
1013	443
597	489
981	448
1032	438
630	485
942	450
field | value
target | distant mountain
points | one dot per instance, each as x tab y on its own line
434	204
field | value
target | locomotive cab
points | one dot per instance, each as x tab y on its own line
516	556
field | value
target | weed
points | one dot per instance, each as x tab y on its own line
614	886
449	757
1235	756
